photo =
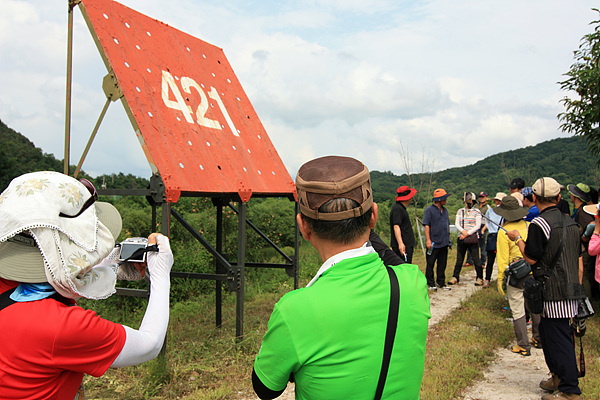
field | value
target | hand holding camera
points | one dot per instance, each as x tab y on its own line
159	262
134	255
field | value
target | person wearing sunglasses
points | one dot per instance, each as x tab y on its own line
57	244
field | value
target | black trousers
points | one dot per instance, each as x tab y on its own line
441	256
461	249
491	255
559	352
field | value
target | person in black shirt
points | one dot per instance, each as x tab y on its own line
402	235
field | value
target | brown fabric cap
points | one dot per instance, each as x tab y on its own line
333	177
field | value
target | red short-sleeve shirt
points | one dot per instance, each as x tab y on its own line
47	346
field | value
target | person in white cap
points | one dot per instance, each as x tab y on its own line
57	244
552	249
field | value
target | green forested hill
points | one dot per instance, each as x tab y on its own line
565	159
18	155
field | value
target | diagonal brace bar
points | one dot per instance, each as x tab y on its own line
220	259
262	235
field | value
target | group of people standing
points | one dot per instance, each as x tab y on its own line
362	321
533	226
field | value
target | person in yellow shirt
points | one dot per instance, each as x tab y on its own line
507	252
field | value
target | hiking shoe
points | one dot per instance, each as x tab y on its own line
550	384
536	343
434	288
519	350
453	281
479	282
561	396
445	287
486	284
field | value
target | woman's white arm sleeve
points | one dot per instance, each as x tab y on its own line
457	222
145	343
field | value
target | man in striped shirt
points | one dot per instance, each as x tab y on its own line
552	248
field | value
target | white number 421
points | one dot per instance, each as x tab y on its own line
168	82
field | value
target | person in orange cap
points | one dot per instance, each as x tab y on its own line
437	232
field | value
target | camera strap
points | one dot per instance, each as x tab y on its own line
390	333
581	355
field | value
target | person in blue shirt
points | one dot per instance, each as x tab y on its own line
492	224
437	232
534	211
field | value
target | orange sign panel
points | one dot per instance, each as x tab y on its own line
196	125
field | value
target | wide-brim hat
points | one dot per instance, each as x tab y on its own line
510	209
22	261
405	193
440	194
581	191
52	230
499	196
519	197
591	209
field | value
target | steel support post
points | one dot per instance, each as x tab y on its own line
218	267
241	259
68	89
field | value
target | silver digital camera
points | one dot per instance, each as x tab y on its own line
130	246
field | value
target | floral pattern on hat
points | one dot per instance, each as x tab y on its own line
31	186
72	193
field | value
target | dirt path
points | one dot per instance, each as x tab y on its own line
509	377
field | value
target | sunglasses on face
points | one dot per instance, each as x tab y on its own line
94	196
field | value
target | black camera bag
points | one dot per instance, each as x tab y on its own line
533	292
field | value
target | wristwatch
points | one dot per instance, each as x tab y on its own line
517	239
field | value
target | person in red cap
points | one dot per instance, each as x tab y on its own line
403	238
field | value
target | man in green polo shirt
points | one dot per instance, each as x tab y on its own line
329	336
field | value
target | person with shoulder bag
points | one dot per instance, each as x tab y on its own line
552	248
512	272
468	222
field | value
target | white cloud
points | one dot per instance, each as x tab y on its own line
456	80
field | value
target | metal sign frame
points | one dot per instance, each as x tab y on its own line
222	151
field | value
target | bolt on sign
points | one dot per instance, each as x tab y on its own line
194	121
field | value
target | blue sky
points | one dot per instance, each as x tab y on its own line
449	83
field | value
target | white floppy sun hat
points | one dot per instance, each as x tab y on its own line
53	230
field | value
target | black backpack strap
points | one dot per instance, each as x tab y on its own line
390	332
5	300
